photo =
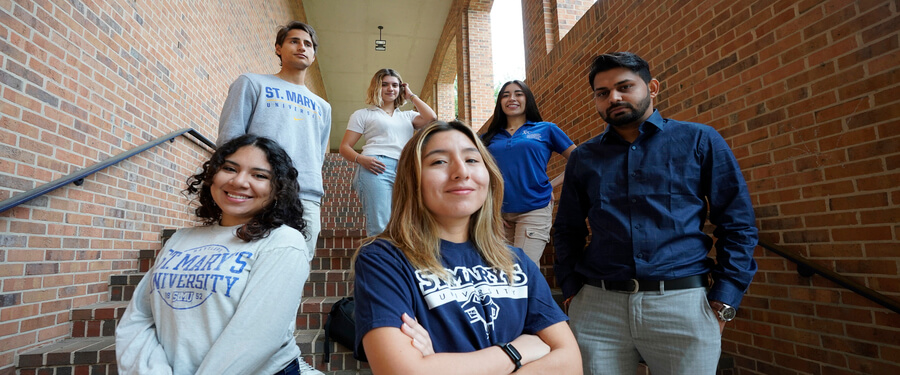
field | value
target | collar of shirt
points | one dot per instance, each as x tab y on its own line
506	134
655	122
376	109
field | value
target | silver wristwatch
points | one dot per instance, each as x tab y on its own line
726	313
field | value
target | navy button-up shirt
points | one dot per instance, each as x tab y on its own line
647	202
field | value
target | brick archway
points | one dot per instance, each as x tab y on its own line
464	54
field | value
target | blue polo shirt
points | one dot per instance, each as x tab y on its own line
522	158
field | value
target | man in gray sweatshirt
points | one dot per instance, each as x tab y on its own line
281	107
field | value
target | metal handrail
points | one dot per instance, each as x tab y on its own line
807	268
78	177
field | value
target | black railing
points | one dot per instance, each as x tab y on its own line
78	177
807	268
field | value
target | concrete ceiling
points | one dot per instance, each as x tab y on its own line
347	31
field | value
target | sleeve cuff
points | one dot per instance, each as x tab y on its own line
726	292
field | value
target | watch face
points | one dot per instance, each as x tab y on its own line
727	313
513	352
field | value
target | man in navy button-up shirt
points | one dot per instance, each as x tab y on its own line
647	186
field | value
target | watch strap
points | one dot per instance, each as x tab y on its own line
513	354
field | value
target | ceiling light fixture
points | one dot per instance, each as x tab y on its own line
380	44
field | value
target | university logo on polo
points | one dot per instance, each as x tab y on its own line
185	279
533	135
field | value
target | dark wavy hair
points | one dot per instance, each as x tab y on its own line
285	208
499	121
627	60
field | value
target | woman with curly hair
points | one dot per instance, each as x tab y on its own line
440	291
231	285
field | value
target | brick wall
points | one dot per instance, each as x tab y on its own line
81	82
568	12
439	82
807	93
464	53
476	83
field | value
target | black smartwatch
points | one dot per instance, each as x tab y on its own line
513	354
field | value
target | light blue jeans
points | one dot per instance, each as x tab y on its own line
676	332
375	192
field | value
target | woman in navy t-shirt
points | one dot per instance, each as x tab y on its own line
440	291
522	144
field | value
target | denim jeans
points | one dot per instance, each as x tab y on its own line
292	368
374	191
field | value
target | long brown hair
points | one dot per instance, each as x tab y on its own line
413	228
499	120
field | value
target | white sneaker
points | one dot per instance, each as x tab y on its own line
306	369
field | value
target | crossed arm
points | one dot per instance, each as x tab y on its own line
408	350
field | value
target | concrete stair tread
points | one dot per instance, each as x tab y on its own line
72	351
314	304
317	304
312	347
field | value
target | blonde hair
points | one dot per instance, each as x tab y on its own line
414	230
373	94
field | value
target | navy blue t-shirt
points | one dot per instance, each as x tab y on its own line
478	309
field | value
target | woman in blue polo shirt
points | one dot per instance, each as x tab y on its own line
522	144
386	129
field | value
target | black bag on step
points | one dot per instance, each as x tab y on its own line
340	326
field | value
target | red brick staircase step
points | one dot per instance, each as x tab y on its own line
335	248
146	259
341	361
328	283
121	287
97	320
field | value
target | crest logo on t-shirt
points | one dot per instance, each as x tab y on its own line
478	303
186	279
